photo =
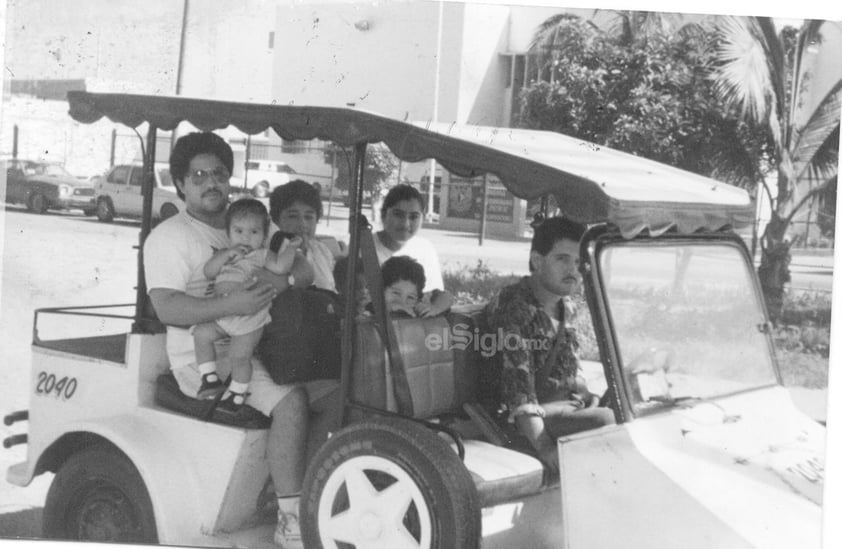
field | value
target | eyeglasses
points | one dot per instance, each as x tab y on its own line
220	174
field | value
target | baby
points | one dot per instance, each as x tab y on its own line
247	224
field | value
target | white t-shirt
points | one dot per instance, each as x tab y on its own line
320	258
174	256
421	250
322	261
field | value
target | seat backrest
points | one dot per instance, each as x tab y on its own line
441	375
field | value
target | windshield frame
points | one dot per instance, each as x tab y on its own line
601	238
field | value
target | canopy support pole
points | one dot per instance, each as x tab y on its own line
484	215
145	320
355	225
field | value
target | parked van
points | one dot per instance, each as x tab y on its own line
262	176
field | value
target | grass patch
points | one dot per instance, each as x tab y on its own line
802	340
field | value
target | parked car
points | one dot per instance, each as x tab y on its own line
118	193
43	186
262	176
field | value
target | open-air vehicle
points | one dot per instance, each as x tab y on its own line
708	449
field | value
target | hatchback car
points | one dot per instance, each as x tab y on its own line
43	186
118	193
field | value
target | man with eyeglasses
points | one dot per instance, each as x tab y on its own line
174	256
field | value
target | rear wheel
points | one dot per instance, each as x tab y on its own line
98	495
389	483
38	203
104	210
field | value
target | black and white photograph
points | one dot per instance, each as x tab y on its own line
419	274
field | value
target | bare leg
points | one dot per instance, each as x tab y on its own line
239	353
204	335
324	418
286	443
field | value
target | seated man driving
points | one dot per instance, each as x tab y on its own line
541	388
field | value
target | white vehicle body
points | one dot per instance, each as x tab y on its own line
708	449
118	193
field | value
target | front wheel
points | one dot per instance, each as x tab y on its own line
104	210
98	495
168	209
38	203
389	483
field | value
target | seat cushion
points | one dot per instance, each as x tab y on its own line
500	474
438	382
169	396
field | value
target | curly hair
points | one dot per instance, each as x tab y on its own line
193	144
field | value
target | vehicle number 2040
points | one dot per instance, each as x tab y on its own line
59	387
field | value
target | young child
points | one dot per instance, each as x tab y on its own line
247	223
403	284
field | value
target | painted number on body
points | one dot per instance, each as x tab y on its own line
49	385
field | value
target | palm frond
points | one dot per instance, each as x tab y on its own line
742	75
819	127
825	161
547	32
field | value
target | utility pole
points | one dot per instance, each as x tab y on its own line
432	187
179	72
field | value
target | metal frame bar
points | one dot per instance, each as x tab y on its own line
143	324
75	311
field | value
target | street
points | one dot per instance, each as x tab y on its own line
65	259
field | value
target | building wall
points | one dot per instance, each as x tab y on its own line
122	41
374	56
229	50
483	78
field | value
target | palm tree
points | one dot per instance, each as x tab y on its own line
562	35
630	26
768	77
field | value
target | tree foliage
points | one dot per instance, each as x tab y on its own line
647	93
380	167
725	98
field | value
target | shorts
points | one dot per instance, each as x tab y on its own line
264	393
244	324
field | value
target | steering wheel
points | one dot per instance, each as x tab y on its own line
647	373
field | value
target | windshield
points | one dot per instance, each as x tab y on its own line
688	321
